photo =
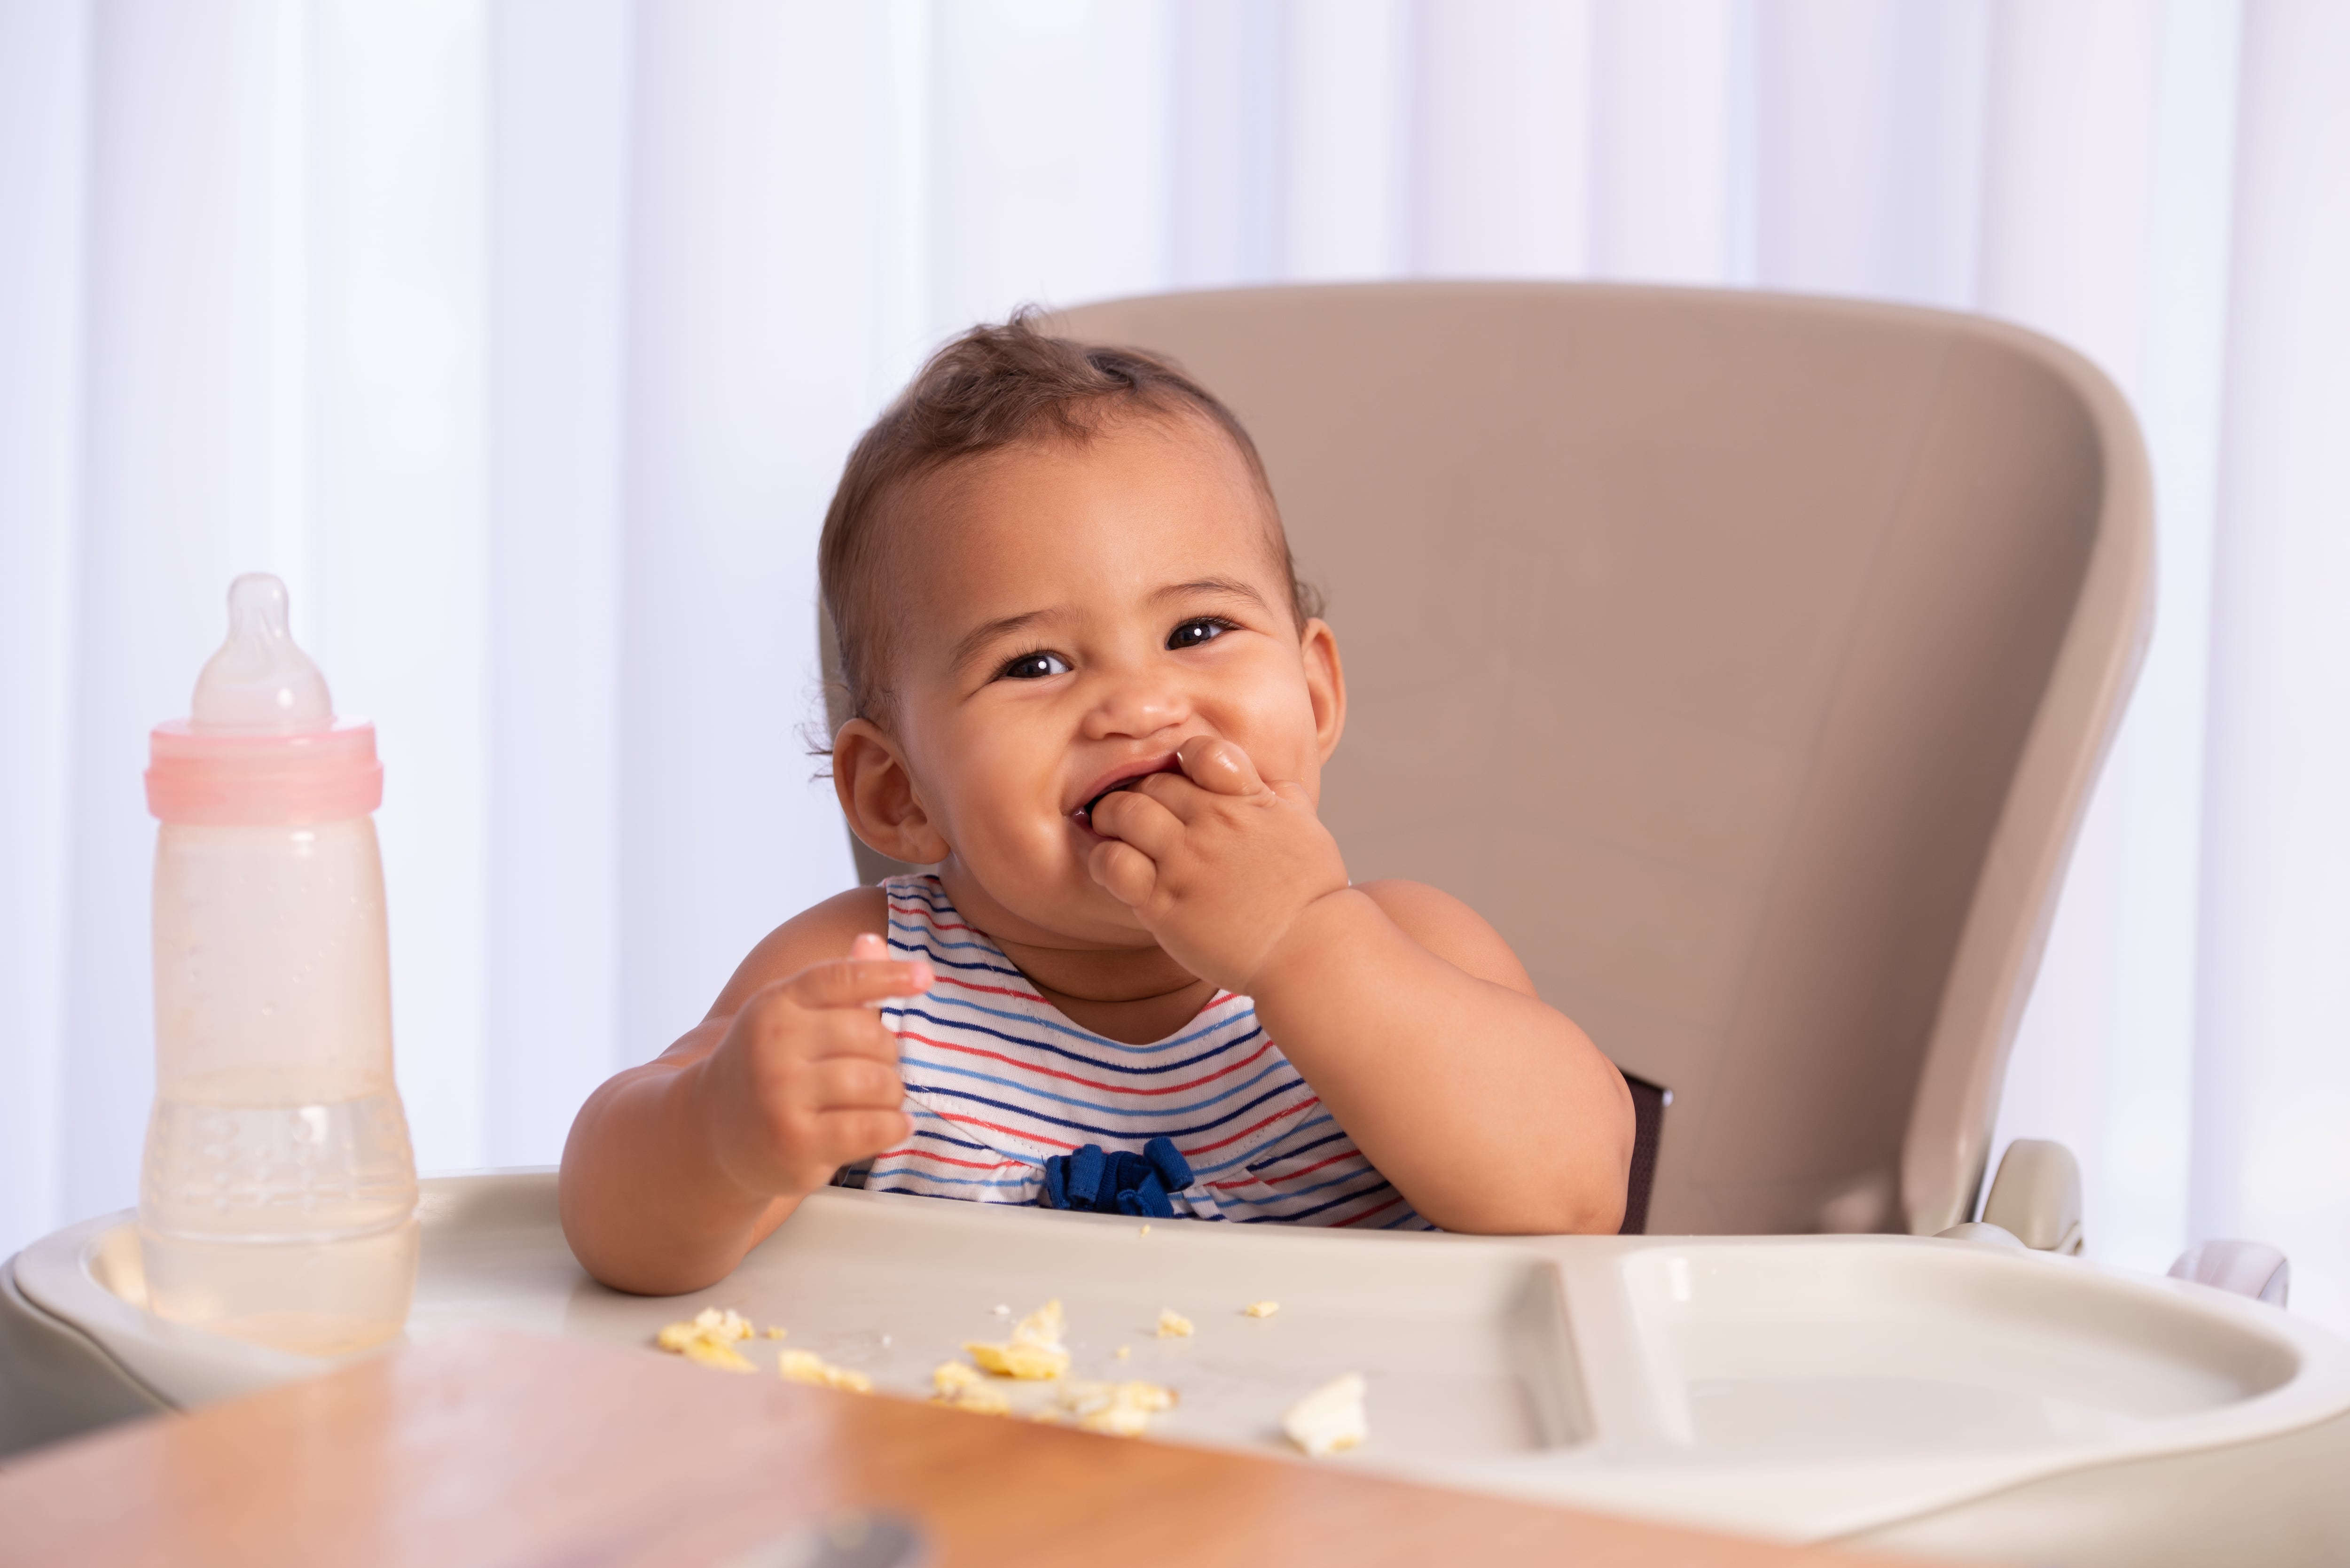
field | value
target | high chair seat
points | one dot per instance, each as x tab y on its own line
1745	658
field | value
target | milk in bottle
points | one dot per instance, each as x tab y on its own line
277	1198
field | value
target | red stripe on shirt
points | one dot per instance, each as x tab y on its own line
1008	1132
1294	1175
945	1159
1376	1208
1044	1072
1307	1105
991	990
936	924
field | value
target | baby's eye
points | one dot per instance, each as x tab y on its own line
1034	667
1192	633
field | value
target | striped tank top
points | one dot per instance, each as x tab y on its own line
998	1080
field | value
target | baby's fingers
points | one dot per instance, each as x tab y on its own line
854	1083
1142	820
860	981
1126	872
1219	766
843	1137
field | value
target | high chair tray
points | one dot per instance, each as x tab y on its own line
1928	1393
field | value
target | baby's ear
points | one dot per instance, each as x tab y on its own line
1325	682
877	795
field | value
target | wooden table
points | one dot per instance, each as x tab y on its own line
503	1450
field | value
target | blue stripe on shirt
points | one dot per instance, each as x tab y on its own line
1184	1108
1179	1133
1068	1055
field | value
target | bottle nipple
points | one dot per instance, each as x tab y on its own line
260	682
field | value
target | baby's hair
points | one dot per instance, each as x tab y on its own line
994	387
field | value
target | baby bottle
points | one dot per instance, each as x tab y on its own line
278	1201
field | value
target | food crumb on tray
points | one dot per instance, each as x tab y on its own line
1121	1409
807	1366
1261	1309
1033	1352
1330	1418
708	1338
962	1387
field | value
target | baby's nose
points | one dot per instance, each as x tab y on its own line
1143	702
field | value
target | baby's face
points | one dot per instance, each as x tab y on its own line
1073	615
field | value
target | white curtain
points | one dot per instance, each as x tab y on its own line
523	338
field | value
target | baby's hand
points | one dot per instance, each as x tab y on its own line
1217	862
805	1080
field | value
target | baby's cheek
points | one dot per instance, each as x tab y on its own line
1281	736
983	799
1288	756
1021	859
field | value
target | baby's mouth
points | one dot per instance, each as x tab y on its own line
1084	813
1087	810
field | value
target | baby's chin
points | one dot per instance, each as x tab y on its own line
1068	910
1089	915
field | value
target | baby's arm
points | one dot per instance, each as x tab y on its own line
1409	1016
676	1168
1415	1023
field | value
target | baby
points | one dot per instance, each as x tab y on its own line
1090	691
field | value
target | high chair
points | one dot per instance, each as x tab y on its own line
1747	659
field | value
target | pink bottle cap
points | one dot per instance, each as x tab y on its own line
262	744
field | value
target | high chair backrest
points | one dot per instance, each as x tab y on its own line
1745	658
